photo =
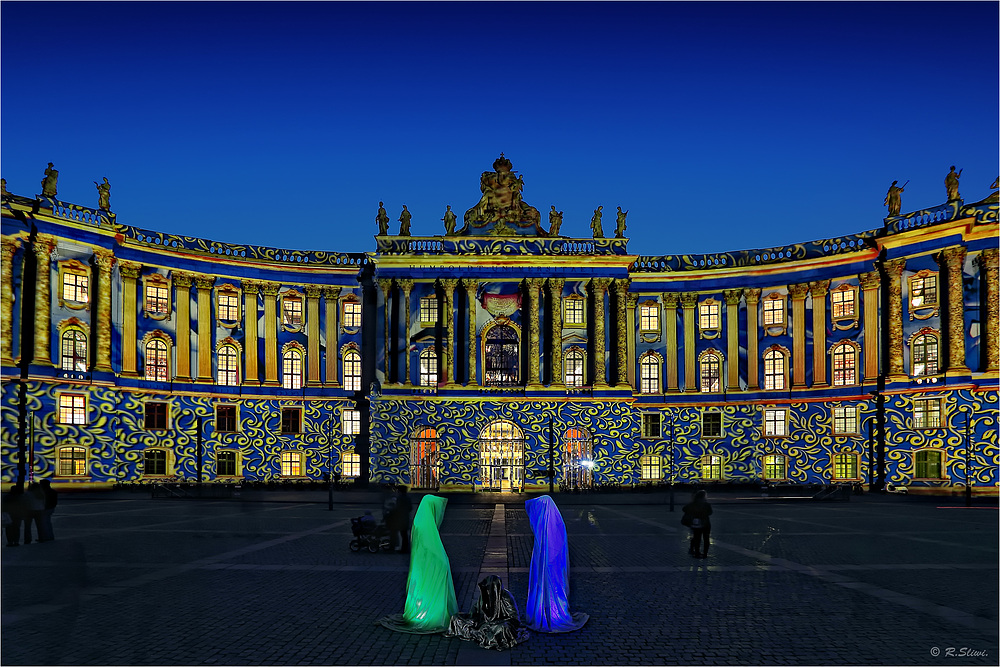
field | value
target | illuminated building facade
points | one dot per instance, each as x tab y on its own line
464	361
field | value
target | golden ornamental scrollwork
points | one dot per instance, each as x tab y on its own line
270	289
670	300
752	295
204	282
689	300
869	280
104	259
798	290
448	283
130	270
405	284
818	288
185	280
10	247
43	247
732	296
313	291
331	293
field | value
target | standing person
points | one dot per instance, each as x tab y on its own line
34	504
45	533
13	509
699	510
402	520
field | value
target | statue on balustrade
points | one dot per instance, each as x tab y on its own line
103	194
502	201
892	198
3	186
951	183
382	219
50	181
595	223
449	222
404	222
555	221
620	229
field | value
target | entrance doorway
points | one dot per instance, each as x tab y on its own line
424	459
577	459
501	457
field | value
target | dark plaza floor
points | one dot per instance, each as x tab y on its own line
268	579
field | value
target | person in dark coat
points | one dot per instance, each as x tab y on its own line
399	522
699	510
45	532
34	504
13	507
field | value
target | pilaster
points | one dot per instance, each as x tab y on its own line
313	293
631	301
818	290
670	354
9	249
251	288
798	292
988	264
732	297
621	337
182	297
534	334
689	302
130	273
406	285
385	284
105	260
205	322
43	247
270	291
952	261
448	316
894	271
869	288
598	287
331	299
471	287
752	297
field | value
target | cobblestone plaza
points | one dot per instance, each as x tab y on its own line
879	580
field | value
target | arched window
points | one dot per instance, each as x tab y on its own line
649	374
573	364
501	457
924	351
577	459
774	369
927	464
500	356
72	461
229	366
775	466
291	368
845	363
352	370
711	467
429	368
650	468
350	464
711	372
157	360
424	459
74	350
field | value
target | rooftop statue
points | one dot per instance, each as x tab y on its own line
555	221
449	221
502	203
951	183
103	194
3	186
382	219
595	223
404	222
892	198
49	182
620	229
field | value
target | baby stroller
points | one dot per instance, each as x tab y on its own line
368	535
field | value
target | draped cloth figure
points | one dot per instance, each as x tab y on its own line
493	621
548	578
430	590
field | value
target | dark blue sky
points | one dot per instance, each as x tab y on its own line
719	126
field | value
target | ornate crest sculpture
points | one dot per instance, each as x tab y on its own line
501	211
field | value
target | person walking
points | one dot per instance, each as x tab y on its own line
698	511
13	514
33	502
45	533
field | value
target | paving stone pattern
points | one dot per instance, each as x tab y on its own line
135	581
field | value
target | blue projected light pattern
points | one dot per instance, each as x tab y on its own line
548	578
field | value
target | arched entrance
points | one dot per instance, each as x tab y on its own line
577	459
501	457
424	459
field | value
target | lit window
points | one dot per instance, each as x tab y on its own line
75	287
157	361
424	465
229	366
291	420
577	459
428	310
649	374
575	311
774	311
72	461
651	424
708	316
157	299
774	466
74	351
428	368
500	355
775	423
155	416
843	301
352	370
72	409
845	419
845	466
291	464
924	350
650	467
226	463
923	291
711	424
574	365
229	307
711	372
350	464
291	312
291	369
350	422
927	413
844	365
649	317
155	462
225	418
711	467
927	464
774	370
352	314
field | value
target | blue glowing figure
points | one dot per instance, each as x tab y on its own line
548	580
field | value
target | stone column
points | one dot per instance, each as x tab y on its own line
313	292
9	247
270	334
818	290
894	270
251	288
990	328
952	260
753	299
732	297
448	317
798	293
688	302
470	291
105	260
130	273
869	286
385	284
631	301
331	298
205	322
556	322
534	333
43	247
406	285
182	296
598	286
670	319
621	337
